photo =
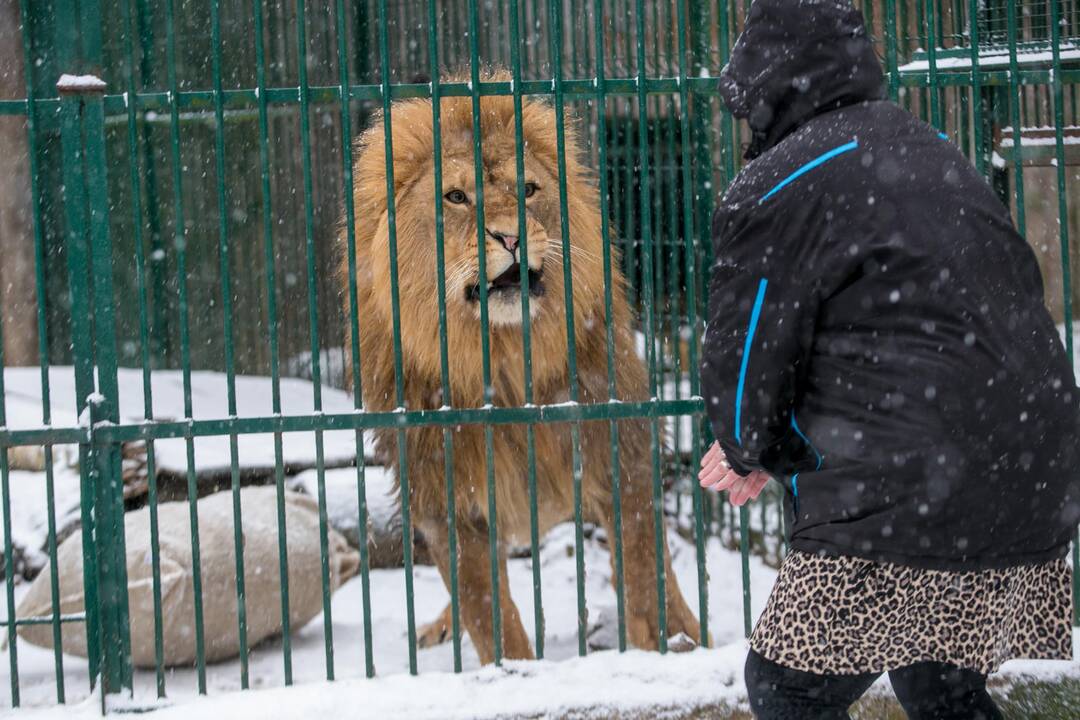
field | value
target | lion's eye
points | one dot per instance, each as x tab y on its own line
530	189
457	197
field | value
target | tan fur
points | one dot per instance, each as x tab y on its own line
414	195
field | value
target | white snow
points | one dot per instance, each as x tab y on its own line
1029	141
995	58
603	682
604	677
30	510
209	401
80	83
606	682
343	500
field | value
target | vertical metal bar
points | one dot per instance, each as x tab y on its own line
87	206
656	144
455	31
272	322
94	351
74	193
9	573
395	301
931	54
671	223
962	106
526	327
495	48
1063	227
977	100
446	30
690	270
609	323
631	179
744	551
144	346
160	335
43	344
180	242
354	335
920	23
1014	108
227	312
763	508
444	352
728	131
903	34
555	18
727	124
405	27
586	47
738	126
313	330
485	338
781	523
109	504
890	50
74	204
534	38
650	322
573	38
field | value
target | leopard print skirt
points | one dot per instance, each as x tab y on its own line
844	615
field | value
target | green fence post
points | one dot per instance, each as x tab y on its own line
94	350
698	236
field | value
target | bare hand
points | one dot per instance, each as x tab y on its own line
716	474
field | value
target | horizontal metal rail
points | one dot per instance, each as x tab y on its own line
45	620
569	412
248	98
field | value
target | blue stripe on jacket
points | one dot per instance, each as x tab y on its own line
848	147
755	317
820	460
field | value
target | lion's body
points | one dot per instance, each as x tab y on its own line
421	383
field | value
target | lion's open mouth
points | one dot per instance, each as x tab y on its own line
509	282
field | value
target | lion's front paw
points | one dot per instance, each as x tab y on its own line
435	632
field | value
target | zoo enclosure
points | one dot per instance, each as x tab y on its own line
204	153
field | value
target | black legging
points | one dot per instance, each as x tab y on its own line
926	690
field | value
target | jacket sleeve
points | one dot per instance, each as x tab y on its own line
763	301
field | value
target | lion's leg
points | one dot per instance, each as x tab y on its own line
639	566
438	630
474	587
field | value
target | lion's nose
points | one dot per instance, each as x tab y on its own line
509	242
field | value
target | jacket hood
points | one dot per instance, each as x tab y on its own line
796	59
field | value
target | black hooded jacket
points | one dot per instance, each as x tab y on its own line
877	338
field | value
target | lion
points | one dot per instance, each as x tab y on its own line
421	381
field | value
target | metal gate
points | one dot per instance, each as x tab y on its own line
182	188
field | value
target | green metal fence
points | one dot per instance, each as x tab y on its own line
180	212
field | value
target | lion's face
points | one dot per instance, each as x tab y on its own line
468	220
504	260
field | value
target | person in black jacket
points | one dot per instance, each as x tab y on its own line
877	342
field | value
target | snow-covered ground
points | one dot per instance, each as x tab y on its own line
209	401
604	681
390	645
